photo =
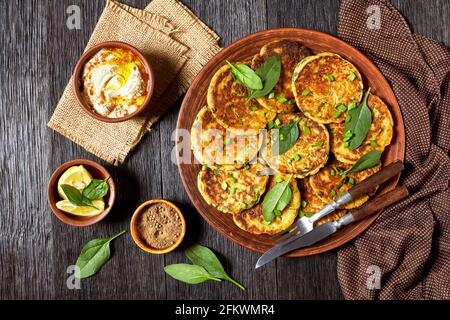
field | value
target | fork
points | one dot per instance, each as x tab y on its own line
306	224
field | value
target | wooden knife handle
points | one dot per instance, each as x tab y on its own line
379	203
365	186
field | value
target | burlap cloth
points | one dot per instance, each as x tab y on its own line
410	241
177	45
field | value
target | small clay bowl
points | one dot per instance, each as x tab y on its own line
135	233
77	84
98	172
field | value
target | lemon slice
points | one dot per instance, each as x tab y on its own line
76	176
82	211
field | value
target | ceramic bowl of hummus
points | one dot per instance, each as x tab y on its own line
113	82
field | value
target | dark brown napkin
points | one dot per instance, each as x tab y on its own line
410	241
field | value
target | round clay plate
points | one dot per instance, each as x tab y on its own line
245	48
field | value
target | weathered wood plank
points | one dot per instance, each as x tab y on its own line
25	225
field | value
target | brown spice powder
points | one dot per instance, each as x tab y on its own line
159	226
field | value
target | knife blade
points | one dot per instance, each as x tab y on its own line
317	234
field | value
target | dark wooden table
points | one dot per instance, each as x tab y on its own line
38	53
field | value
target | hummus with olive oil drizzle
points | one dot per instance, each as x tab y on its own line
114	82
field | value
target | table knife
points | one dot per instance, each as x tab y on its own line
325	230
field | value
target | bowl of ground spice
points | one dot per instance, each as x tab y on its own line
158	226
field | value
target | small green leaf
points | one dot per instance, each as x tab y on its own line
282	99
351	106
189	273
342	108
296	157
96	189
306	92
373	143
351	181
336	114
270	124
76	197
277	122
306	129
244	75
254	108
348	118
369	160
285	199
351	76
205	257
330	77
319	144
361	120
285	138
232	180
304	203
232	190
271	199
269	72
271	95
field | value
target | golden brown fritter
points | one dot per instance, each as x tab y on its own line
309	153
227	101
213	145
232	191
252	220
290	53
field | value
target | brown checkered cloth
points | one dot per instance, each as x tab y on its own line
410	241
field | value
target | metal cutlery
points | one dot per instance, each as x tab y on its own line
323	231
306	224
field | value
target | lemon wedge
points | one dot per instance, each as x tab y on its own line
82	211
76	176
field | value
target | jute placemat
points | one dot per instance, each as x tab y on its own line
175	65
193	33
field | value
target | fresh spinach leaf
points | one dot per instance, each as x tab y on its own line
96	189
76	197
205	257
284	199
94	255
272	198
244	75
269	72
285	138
369	160
189	273
359	124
